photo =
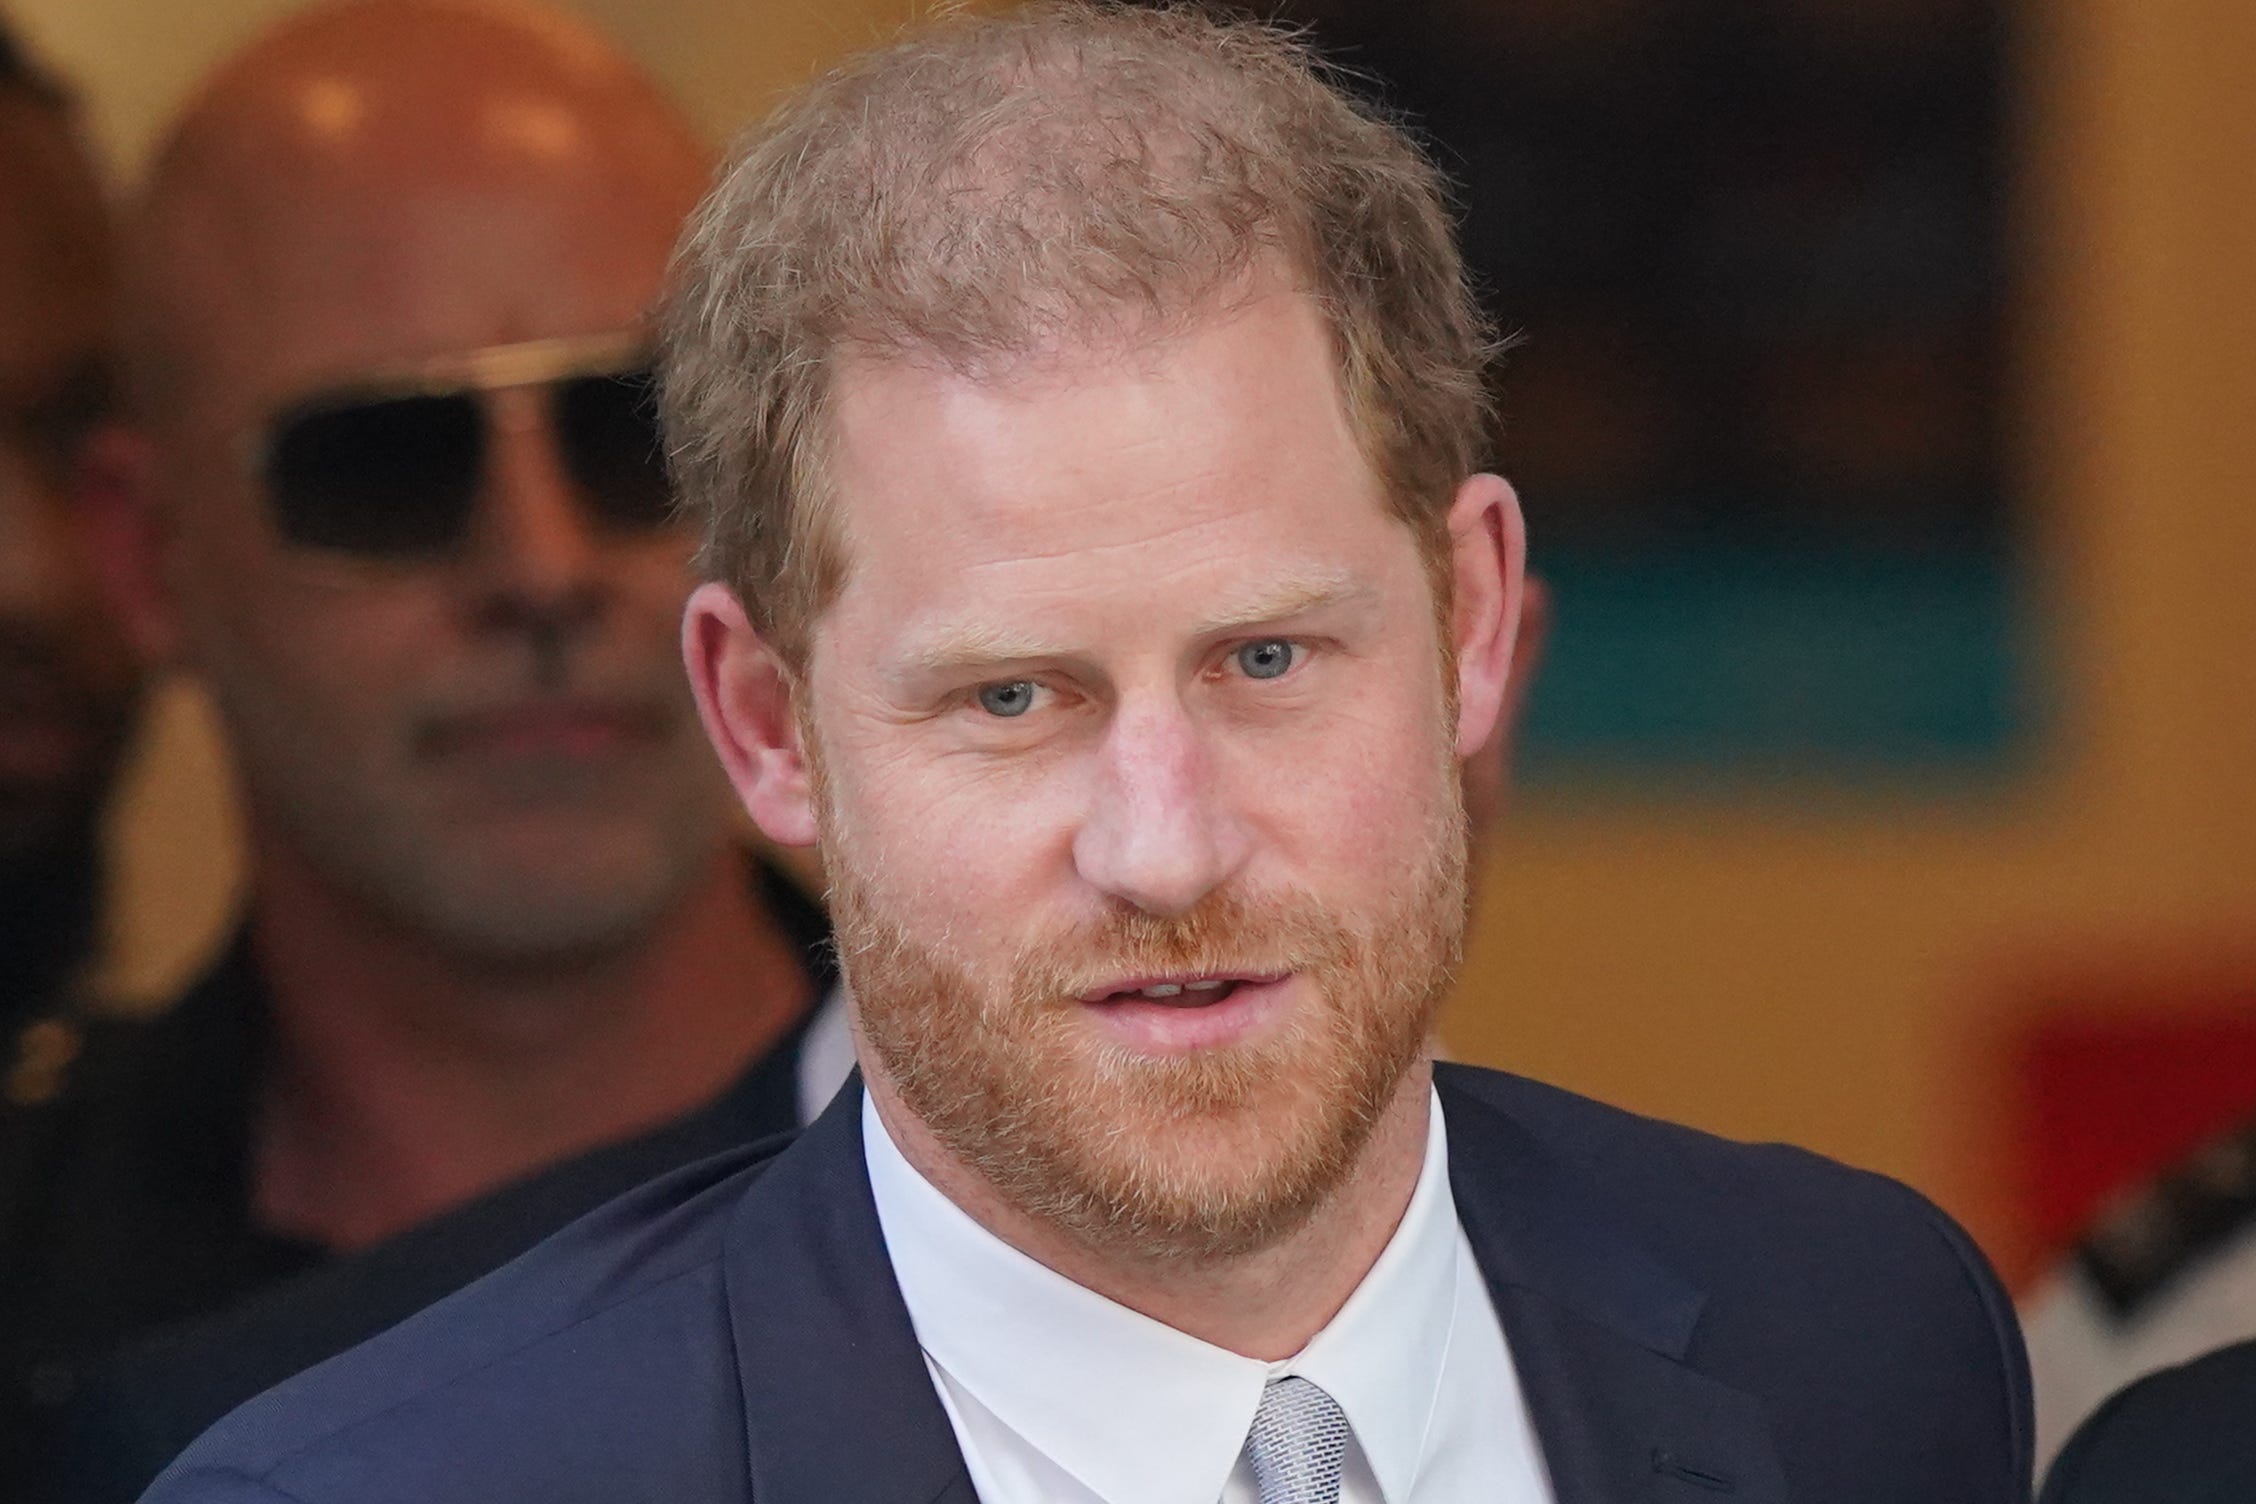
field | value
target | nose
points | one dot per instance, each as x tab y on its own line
1160	832
536	555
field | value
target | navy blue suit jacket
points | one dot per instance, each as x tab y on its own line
2181	1436
1693	1320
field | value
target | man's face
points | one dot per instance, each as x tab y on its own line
66	688
493	746
1135	775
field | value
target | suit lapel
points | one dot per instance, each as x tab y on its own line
838	1403
1599	1330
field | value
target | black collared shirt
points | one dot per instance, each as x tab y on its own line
128	1247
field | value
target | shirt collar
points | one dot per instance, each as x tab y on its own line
1381	1357
1134	1409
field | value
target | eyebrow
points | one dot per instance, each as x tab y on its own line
954	648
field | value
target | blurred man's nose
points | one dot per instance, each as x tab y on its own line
1160	832
536	554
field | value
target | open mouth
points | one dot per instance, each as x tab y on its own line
1190	1012
1194	991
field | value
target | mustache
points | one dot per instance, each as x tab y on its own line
523	667
651	698
1226	934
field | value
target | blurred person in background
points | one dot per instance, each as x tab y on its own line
2166	1275
68	686
388	483
2180	1436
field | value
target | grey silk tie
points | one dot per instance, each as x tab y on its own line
1298	1444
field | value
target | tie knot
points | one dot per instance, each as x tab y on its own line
1298	1444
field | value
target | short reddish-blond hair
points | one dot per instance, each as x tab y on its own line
990	187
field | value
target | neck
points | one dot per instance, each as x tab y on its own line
405	1079
1267	1304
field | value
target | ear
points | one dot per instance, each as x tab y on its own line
1488	772
1488	552
745	696
128	538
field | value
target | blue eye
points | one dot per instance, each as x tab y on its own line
1268	658
1012	698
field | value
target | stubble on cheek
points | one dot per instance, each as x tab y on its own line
1155	1158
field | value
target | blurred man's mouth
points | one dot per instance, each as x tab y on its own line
570	729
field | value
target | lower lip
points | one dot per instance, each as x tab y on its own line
1156	1028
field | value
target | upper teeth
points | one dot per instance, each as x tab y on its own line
1170	989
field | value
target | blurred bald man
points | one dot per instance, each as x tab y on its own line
391	487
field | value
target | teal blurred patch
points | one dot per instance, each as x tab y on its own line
1762	664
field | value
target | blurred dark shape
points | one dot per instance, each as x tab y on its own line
67	687
2181	1435
270	1310
1729	197
68	690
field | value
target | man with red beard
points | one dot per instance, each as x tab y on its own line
1084	408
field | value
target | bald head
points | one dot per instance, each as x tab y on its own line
489	740
378	179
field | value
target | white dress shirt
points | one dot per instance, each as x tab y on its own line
826	1054
1061	1396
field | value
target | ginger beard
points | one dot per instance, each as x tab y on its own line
1187	1157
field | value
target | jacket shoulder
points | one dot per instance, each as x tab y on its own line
2181	1434
1834	1293
594	1366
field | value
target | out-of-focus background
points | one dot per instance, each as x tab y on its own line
1886	419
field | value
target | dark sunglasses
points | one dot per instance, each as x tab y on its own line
390	467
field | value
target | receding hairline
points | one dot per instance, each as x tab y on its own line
1232	141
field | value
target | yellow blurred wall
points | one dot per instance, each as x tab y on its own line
1814	966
